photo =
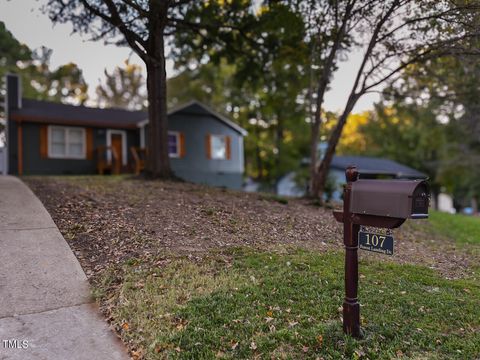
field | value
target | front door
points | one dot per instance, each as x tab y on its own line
118	146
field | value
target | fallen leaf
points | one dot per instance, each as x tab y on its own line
136	355
359	353
253	346
320	340
233	344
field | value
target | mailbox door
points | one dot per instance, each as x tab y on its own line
420	202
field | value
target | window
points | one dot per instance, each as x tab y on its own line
173	144
219	147
66	142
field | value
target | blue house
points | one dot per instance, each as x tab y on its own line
368	167
53	139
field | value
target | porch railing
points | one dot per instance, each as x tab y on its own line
139	158
108	160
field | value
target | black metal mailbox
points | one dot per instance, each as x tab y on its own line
400	199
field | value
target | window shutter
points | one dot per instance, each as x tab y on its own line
228	145
89	145
208	146
43	141
182	144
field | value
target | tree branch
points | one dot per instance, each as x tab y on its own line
114	19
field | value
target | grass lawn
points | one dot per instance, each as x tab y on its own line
186	271
464	229
250	304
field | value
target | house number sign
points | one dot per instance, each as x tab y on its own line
375	240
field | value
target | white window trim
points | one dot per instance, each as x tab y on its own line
211	146
177	135
123	133
66	156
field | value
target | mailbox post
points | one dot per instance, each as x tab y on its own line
377	203
351	307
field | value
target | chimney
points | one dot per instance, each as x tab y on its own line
14	92
13	101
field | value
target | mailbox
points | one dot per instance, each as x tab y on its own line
379	204
401	199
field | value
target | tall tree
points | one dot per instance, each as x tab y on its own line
124	87
447	90
409	133
255	109
11	52
269	72
391	35
42	82
431	121
39	80
145	26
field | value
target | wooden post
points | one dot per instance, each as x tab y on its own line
351	307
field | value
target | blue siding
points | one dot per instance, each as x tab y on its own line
195	165
34	164
193	122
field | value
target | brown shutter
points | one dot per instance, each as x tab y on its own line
182	144
89	143
43	141
228	144
208	146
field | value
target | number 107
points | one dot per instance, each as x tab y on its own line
375	239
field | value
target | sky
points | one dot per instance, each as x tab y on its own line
33	28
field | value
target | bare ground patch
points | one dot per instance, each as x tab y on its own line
107	220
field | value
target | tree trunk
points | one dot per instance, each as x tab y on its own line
158	162
321	173
322	88
279	134
474	205
314	136
258	155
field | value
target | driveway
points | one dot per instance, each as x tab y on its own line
46	311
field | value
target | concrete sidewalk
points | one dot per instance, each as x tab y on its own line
45	307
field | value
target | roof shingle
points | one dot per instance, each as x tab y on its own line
376	166
45	111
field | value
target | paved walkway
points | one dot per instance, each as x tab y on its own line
45	307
